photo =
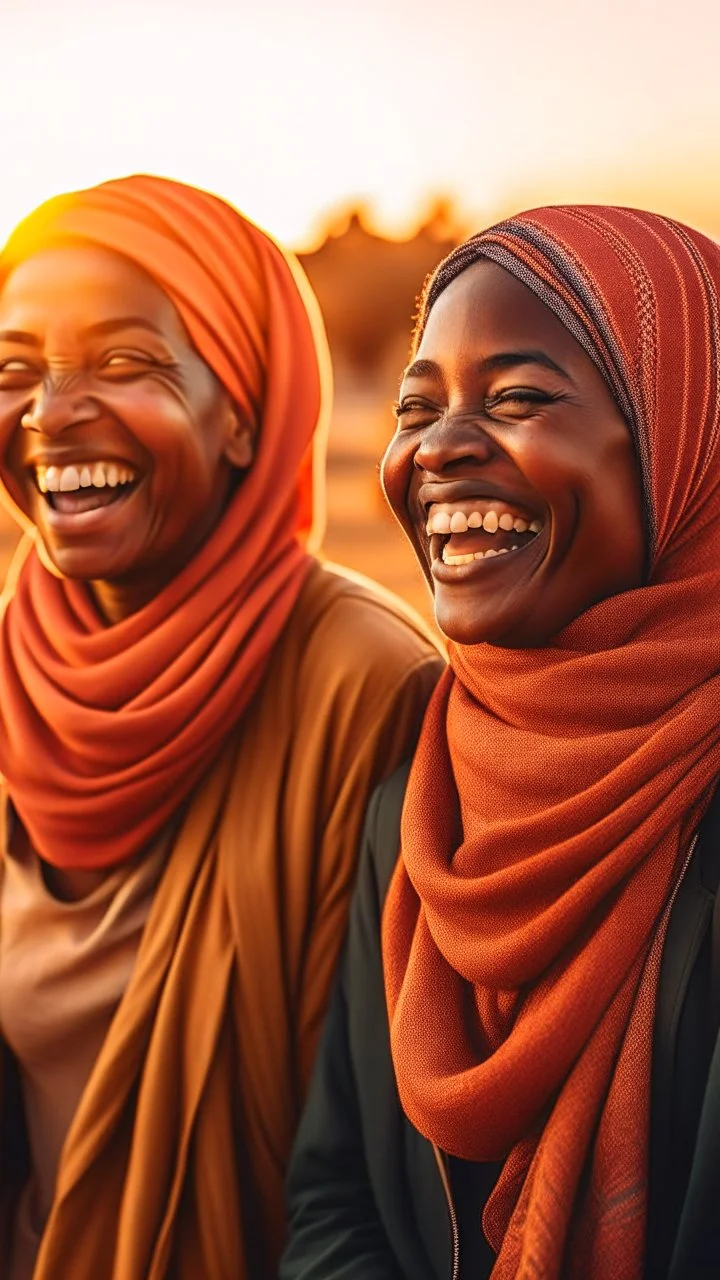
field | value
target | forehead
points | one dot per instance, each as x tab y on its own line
488	309
82	285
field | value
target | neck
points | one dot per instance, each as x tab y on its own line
118	600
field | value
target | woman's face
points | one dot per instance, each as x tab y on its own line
116	439
512	469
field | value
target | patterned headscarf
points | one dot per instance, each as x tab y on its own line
522	959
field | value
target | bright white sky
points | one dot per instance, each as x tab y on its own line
291	108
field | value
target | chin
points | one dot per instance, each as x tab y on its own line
462	625
465	625
79	563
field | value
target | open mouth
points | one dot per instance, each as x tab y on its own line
478	529
79	488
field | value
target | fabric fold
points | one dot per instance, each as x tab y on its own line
175	1162
104	729
555	791
140	1104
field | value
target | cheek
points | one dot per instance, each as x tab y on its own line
625	512
176	436
146	409
396	474
549	459
617	502
13	473
12	407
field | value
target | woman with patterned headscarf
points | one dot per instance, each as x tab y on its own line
193	712
521	1073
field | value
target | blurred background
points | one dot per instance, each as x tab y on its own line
370	139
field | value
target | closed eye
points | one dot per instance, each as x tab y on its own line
14	365
120	359
131	364
17	374
412	405
522	396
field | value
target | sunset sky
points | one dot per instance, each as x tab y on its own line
294	108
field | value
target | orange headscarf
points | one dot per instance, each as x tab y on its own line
555	792
104	730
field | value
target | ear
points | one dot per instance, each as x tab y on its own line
239	439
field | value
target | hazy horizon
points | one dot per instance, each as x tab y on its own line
294	114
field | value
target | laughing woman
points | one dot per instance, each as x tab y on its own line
521	1071
193	712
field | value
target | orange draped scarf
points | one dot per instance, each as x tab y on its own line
555	792
104	730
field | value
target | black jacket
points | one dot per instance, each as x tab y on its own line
368	1196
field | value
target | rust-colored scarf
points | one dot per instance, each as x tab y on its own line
104	730
555	792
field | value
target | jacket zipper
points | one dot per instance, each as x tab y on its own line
442	1169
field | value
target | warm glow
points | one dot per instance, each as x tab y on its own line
302	111
291	110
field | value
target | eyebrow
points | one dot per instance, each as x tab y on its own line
423	369
120	322
503	360
16	335
114	325
508	360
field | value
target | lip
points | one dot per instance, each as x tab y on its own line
439	491
83	523
445	491
526	557
76	458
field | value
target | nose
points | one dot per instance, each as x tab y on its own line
56	407
451	441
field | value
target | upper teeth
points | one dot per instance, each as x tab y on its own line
99	474
448	519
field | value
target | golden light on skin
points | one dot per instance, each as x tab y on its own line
289	110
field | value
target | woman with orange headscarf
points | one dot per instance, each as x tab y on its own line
193	712
521	1074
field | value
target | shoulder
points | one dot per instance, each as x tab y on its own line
364	664
359	627
347	686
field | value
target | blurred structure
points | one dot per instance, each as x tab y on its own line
368	287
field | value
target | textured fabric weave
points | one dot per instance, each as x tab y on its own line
555	791
104	730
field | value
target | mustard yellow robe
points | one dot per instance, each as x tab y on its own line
174	1164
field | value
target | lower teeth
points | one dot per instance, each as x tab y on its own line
477	555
